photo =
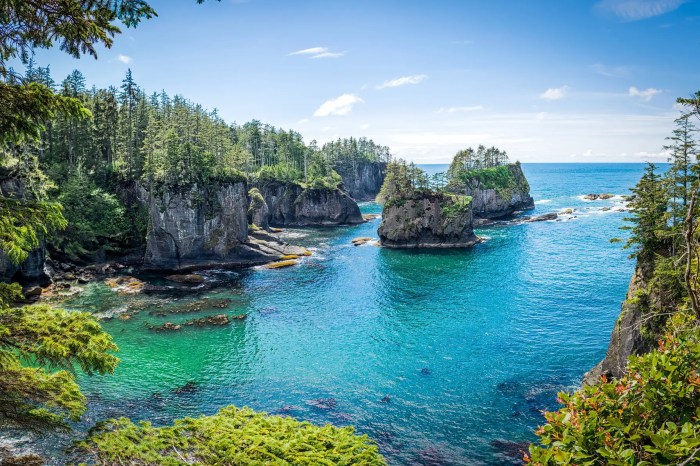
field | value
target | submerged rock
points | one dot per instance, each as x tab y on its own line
541	218
360	241
125	284
192	278
595	197
323	403
167	327
217	320
187	389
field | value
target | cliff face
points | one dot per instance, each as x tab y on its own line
626	338
427	221
32	270
206	226
494	202
363	180
199	224
291	205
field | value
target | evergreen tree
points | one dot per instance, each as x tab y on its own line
648	206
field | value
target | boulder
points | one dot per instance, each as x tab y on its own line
191	278
542	218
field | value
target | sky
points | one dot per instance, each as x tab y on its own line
546	80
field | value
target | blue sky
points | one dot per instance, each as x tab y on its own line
547	80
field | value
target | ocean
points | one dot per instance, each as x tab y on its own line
441	357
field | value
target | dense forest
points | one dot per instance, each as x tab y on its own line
468	167
127	136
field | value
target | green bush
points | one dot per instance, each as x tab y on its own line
650	416
279	173
97	220
233	436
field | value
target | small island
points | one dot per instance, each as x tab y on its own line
438	211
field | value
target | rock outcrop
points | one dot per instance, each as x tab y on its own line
362	180
502	201
32	271
291	205
258	212
626	338
206	226
429	220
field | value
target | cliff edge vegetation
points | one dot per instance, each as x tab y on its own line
417	216
641	404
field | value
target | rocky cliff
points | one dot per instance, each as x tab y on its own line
289	204
362	180
627	336
205	226
427	220
502	195
32	271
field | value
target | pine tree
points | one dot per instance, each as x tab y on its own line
649	215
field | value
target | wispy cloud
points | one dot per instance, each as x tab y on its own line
402	81
124	59
634	10
339	106
473	108
318	52
555	93
610	71
645	95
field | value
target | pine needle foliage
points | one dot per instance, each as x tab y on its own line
233	436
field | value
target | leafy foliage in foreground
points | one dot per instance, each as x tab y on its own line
232	436
56	341
650	416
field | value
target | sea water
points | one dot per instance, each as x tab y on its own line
441	357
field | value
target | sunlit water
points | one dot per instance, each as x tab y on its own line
441	357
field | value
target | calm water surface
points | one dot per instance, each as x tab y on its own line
442	357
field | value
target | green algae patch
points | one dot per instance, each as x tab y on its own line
282	264
232	436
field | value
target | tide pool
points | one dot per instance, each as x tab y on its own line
441	357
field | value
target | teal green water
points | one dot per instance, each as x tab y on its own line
442	357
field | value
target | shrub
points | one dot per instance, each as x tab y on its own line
650	416
232	436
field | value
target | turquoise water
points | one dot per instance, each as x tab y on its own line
442	357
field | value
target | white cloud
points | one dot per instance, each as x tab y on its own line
634	10
555	93
328	55
610	71
124	59
339	106
364	126
318	52
473	108
645	95
402	81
